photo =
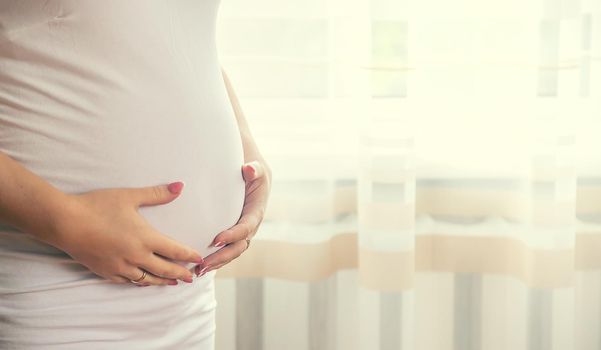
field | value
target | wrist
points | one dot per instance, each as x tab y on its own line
62	219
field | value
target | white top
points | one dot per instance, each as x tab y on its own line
101	94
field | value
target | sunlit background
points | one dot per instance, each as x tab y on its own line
437	174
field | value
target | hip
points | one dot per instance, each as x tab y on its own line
92	312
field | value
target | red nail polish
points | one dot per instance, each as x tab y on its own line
204	270
175	187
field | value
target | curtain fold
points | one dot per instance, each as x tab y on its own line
437	174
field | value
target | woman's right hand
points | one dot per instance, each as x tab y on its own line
104	231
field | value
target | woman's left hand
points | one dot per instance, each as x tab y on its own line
257	176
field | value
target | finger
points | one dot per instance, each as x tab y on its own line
242	230
135	272
255	208
199	271
119	279
252	170
160	267
172	249
218	266
155	195
225	254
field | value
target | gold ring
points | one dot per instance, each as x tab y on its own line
139	279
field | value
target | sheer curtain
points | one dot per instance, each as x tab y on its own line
437	174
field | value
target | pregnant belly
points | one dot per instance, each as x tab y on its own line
92	97
196	141
208	160
209	163
145	144
204	151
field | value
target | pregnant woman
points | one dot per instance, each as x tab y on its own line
125	161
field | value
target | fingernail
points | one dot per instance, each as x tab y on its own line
202	272
199	260
175	187
219	244
188	279
172	283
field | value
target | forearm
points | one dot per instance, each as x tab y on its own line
251	151
28	202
